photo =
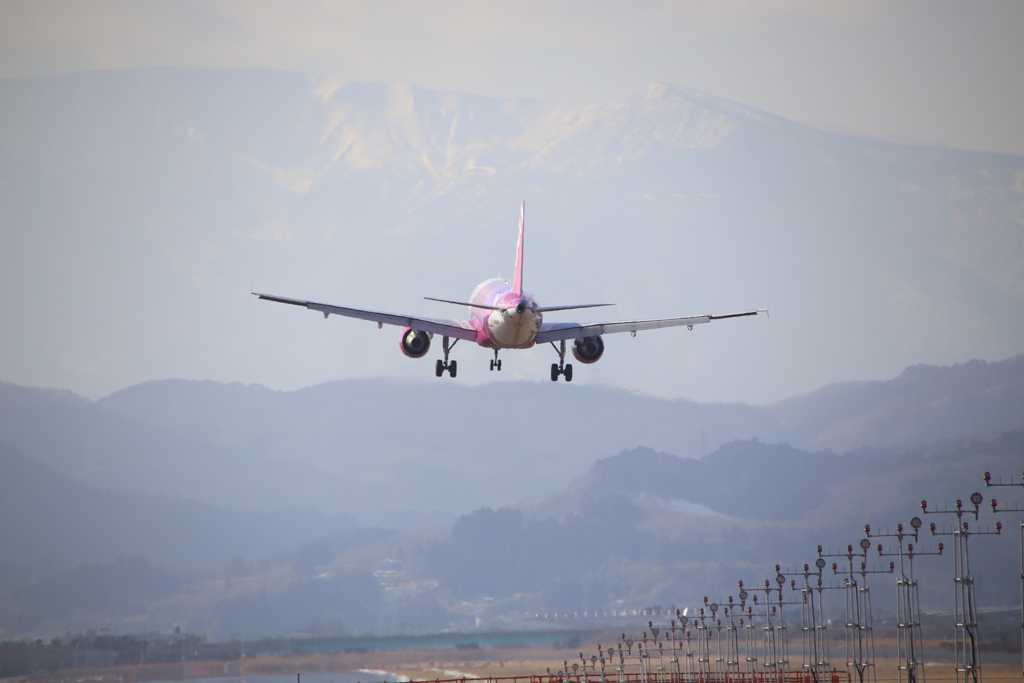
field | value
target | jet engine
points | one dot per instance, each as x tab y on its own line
588	349
414	344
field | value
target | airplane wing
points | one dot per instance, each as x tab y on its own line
459	329
556	331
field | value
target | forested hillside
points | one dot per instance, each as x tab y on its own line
639	529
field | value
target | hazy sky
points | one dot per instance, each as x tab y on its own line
941	71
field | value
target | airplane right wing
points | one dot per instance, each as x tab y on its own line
460	329
555	331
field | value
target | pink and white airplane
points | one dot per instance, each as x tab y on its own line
504	316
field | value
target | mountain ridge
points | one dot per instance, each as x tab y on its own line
641	527
337	447
57	521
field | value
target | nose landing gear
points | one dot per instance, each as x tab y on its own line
561	368
496	364
442	365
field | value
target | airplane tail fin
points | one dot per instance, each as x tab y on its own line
517	279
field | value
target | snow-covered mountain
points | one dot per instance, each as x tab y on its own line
139	206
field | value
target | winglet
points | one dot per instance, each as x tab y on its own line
517	279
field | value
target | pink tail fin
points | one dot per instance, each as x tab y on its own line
517	279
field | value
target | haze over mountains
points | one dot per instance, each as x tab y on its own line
593	524
53	522
281	484
396	453
140	205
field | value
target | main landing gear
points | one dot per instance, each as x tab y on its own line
560	368
442	365
496	364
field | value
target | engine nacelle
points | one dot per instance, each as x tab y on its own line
414	344
588	349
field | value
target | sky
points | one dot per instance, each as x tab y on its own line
939	72
936	73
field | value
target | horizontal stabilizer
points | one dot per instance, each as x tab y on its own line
499	308
569	308
465	303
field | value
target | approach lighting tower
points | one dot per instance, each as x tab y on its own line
1015	508
812	622
909	642
968	663
860	637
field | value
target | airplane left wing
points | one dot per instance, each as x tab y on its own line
460	329
555	331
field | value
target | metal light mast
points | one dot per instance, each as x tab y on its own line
910	649
1015	508
968	662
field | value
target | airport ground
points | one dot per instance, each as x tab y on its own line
433	665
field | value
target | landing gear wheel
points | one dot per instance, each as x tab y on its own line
492	366
442	365
560	368
498	366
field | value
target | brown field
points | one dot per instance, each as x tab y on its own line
426	665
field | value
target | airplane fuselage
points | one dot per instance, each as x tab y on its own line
514	326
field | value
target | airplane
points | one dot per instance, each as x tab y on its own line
505	316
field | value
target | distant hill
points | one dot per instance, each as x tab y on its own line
924	403
51	521
391	453
398	454
636	529
757	481
645	528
